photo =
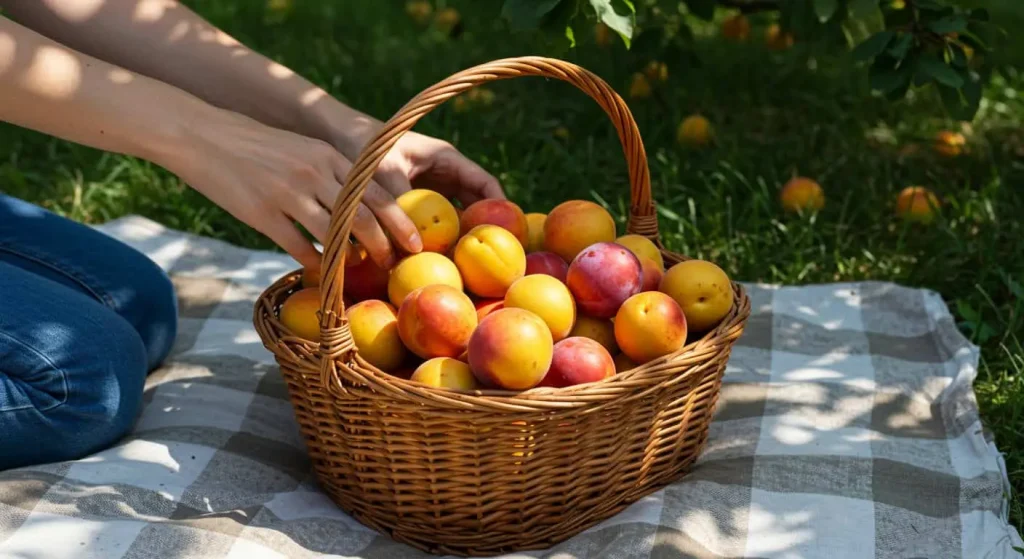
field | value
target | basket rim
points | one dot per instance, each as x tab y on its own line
687	361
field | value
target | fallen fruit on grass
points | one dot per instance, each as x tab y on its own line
535	232
776	39
434	216
576	361
802	194
503	213
602	277
546	297
299	313
650	275
419	270
656	71
917	204
601	330
576	224
445	372
623	363
374	327
511	349
694	131
437	321
642	247
703	291
736	28
650	325
546	263
364	279
490	259
447	19
639	86
949	143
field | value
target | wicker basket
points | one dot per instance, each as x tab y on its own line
491	472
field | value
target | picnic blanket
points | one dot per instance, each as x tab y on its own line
847	428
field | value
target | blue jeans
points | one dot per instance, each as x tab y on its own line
83	319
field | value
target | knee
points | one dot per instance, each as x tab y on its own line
80	402
151	306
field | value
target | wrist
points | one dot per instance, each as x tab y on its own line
347	129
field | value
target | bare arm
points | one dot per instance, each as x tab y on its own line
165	40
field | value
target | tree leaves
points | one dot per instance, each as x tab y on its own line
527	14
873	46
621	24
931	65
704	9
949	24
825	9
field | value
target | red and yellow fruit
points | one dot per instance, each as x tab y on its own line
702	290
299	313
546	297
577	361
651	275
503	213
437	321
602	277
576	224
736	28
777	39
434	216
511	349
650	325
445	372
642	247
949	143
485	307
547	263
601	330
535	232
374	326
364	279
420	270
802	194
490	259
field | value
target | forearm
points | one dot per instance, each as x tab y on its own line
167	41
49	88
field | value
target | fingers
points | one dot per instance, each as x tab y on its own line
368	232
281	230
382	206
476	181
311	215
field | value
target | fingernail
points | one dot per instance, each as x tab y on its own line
415	243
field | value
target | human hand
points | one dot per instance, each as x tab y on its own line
271	178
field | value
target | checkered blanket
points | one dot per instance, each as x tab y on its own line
847	428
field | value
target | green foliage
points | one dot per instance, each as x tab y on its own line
905	44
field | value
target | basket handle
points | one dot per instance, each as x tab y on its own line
335	338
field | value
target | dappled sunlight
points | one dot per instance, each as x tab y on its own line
75	12
149	11
54	73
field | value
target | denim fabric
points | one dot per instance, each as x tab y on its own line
83	319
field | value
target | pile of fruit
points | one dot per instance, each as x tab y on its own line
506	300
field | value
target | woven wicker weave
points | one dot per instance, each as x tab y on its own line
491	472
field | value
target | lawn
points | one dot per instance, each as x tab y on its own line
775	114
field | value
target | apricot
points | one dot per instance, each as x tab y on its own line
364	279
639	86
623	363
802	194
436	321
434	216
310	277
736	28
490	259
600	330
547	298
535	232
656	71
299	313
917	204
445	372
694	131
574	225
503	213
485	307
578	361
602	277
546	263
642	247
511	349
374	326
419	270
651	275
777	39
949	143
703	291
649	325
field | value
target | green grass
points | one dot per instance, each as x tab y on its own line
774	114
